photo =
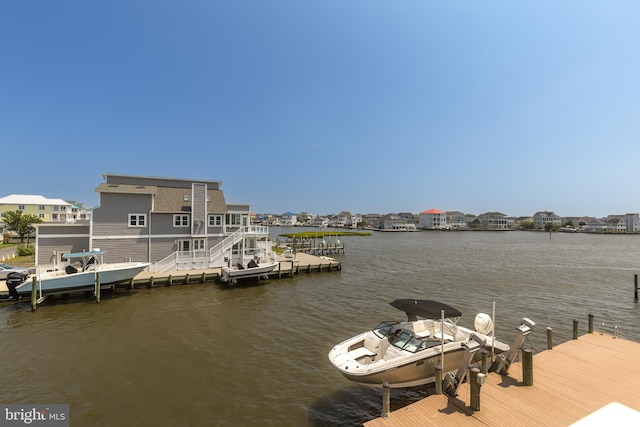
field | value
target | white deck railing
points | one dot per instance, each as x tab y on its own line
214	257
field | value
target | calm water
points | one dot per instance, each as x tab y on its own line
203	355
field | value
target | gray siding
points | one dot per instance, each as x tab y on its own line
112	217
199	210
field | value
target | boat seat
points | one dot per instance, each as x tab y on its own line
361	352
423	329
447	337
69	269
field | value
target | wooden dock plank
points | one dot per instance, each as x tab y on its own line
570	382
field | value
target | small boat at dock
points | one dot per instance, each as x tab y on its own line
405	354
81	272
257	267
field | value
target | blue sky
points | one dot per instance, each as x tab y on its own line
365	106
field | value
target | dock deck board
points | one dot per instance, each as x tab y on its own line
571	381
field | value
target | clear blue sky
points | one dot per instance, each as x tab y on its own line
360	105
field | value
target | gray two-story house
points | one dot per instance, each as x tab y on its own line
172	223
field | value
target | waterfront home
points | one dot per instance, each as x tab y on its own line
289	219
493	221
48	210
542	218
173	223
393	222
432	219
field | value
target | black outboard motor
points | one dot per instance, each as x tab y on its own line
14	279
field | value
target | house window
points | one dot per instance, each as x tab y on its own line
20	207
137	220
181	220
215	220
233	219
198	244
41	207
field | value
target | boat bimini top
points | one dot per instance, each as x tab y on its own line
427	309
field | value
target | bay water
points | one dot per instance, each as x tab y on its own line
256	355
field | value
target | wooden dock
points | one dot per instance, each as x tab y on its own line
570	382
300	264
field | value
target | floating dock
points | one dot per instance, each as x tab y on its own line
592	380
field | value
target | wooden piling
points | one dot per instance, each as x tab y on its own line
590	323
549	338
575	329
34	293
474	389
438	380
386	399
635	287
97	291
485	360
527	366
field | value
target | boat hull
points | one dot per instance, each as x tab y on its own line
230	274
60	281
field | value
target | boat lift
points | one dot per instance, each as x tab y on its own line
451	381
525	328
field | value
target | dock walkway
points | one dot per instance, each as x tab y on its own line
301	263
570	382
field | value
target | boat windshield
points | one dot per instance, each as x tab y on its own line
384	329
406	341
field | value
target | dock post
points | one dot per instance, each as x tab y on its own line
527	366
476	378
97	291
204	277
386	399
575	329
590	323
549	338
485	361
34	293
438	379
635	287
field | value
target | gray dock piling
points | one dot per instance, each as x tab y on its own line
386	400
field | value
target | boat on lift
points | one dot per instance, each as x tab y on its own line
405	354
257	267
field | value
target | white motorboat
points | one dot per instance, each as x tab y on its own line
405	354
81	272
257	267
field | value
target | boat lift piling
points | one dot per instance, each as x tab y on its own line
452	381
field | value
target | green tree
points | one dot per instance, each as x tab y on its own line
21	224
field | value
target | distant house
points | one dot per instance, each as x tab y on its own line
493	221
394	222
372	219
183	223
354	220
48	210
432	219
319	221
289	219
616	224
542	218
456	220
595	225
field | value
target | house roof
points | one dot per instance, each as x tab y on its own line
167	199
432	211
26	199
